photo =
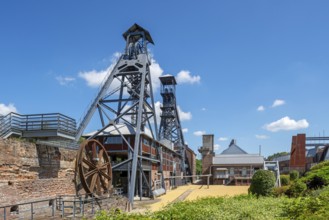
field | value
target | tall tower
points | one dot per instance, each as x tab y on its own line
126	97
170	127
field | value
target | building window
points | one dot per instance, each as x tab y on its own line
244	171
146	142
231	171
113	140
222	174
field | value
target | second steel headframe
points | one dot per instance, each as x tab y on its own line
126	96
170	126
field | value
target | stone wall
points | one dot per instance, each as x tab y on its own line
30	172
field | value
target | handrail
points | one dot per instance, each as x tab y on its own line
35	122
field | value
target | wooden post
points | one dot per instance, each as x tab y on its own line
208	181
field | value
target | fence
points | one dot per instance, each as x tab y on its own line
62	206
44	208
14	122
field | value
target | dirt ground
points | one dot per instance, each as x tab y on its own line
190	192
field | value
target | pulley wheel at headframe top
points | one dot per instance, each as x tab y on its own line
93	172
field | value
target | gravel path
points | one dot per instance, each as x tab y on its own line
191	192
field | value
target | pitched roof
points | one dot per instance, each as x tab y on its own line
233	149
136	28
238	159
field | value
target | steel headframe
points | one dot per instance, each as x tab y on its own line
170	126
127	97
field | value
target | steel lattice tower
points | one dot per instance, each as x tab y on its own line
127	97
170	126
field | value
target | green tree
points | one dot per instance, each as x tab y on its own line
279	154
262	183
198	166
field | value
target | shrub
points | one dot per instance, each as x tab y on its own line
262	183
320	165
294	175
315	206
285	180
316	182
296	189
318	176
279	191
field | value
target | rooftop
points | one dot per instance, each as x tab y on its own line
123	129
136	28
233	149
238	159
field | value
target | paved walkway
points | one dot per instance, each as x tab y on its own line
192	192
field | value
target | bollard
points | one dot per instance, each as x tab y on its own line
4	213
74	207
62	208
53	209
31	210
92	204
80	204
83	209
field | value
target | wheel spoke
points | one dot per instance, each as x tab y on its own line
100	153
104	166
104	185
90	164
98	185
105	174
93	182
90	173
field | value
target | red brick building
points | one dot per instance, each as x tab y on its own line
233	166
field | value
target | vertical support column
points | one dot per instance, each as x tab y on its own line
137	138
297	153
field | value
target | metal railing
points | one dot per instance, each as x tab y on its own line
14	122
61	206
28	210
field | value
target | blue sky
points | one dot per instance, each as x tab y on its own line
256	71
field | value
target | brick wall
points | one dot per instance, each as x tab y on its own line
297	153
206	165
29	172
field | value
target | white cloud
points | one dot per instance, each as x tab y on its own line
184	116
184	76
223	139
261	137
278	102
217	147
6	109
95	78
286	124
65	80
261	108
157	106
203	109
156	72
185	130
199	133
